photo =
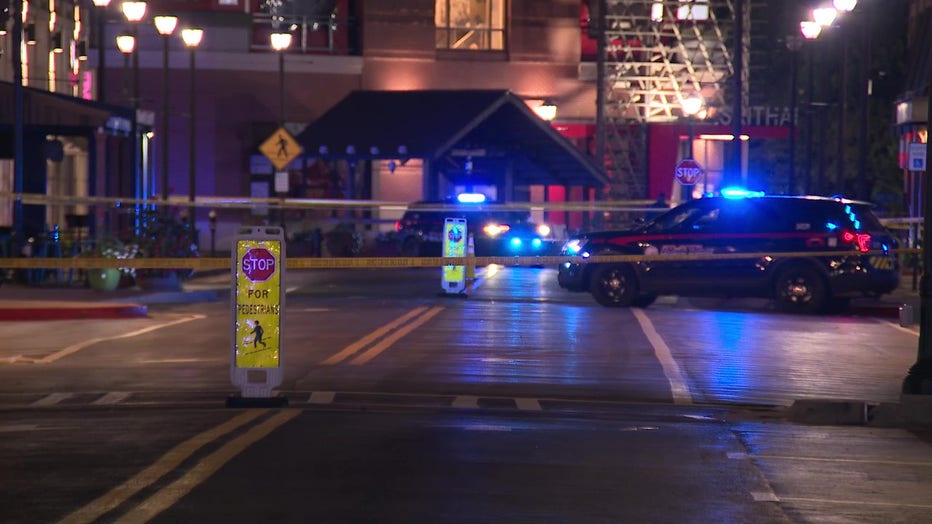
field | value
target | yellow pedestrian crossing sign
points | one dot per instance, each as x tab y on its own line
281	148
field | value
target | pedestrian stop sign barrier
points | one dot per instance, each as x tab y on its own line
454	245
258	261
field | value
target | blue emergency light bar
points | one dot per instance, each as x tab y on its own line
470	198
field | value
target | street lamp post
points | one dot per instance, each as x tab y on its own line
192	38
919	378
691	107
810	31
101	19
134	13
165	26
280	41
842	7
793	43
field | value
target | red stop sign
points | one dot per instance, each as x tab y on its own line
258	264
687	172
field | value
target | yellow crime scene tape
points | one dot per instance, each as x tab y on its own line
315	203
208	263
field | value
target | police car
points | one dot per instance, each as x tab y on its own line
851	253
497	230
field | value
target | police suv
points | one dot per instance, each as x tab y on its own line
809	254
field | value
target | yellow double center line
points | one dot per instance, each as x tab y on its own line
382	338
172	493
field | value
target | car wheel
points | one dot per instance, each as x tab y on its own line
410	247
614	285
644	300
800	290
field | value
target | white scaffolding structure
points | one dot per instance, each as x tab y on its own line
656	55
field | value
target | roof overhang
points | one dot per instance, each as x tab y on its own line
495	127
53	110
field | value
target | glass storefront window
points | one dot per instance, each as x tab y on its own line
470	24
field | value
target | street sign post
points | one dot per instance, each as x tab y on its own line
454	245
258	303
687	172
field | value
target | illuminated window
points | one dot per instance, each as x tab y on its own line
470	24
687	10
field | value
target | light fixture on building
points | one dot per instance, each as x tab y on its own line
29	34
547	110
56	43
81	50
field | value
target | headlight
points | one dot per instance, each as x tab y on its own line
493	230
573	247
543	230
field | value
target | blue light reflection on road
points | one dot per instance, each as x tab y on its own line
494	352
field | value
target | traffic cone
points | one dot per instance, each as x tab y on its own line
471	254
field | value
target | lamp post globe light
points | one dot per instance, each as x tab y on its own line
165	25
192	39
844	6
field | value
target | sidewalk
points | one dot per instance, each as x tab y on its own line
19	302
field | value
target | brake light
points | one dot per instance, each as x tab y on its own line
493	230
861	240
398	226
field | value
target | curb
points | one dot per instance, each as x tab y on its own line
75	311
912	412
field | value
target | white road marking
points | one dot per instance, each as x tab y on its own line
764	496
322	397
671	369
466	401
113	397
74	348
52	399
181	360
528	404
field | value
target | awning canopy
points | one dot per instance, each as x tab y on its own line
53	110
494	128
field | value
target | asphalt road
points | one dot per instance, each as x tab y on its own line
518	403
